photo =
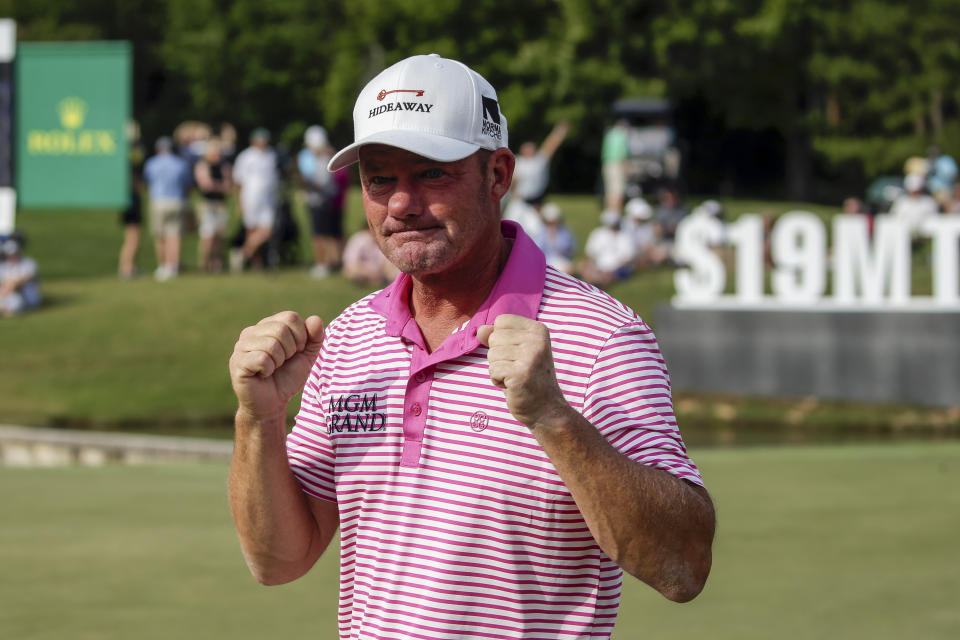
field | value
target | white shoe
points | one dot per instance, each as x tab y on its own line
235	259
164	273
319	271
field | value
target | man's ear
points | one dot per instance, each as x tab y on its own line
500	167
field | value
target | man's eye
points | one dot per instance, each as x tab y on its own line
434	173
378	180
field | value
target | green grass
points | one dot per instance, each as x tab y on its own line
853	542
143	355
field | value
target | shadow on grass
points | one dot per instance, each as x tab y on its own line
54	301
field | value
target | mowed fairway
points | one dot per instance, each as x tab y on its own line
814	542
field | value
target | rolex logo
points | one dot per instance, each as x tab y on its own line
73	111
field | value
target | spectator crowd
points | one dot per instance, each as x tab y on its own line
237	201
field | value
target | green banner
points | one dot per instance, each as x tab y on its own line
73	105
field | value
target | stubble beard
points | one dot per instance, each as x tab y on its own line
434	257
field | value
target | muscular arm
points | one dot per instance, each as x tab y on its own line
282	531
655	526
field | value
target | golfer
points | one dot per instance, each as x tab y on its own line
494	439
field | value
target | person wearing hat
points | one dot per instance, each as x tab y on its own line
256	176
325	193
19	287
168	179
608	253
915	206
555	238
493	438
638	225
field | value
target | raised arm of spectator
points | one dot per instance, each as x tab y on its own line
554	139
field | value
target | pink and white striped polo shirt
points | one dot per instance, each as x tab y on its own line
454	523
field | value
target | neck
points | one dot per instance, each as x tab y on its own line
440	303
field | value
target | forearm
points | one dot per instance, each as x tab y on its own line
11	285
278	533
655	526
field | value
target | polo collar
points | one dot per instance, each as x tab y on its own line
517	291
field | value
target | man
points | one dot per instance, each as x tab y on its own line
168	180
325	195
670	211
614	155
915	206
492	437
608	253
256	176
638	225
19	287
555	239
531	178
531	175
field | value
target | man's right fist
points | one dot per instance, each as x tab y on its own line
271	362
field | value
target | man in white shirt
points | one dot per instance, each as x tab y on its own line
255	174
609	252
915	206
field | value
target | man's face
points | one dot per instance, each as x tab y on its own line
429	217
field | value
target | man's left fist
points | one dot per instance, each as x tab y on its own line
521	363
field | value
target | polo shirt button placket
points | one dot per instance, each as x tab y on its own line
415	409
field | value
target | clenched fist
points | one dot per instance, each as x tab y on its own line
521	363
271	362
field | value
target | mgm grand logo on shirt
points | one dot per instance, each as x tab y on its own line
354	413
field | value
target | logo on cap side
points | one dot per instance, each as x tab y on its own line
384	93
491	118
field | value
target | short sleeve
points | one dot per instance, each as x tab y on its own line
307	163
309	450
628	399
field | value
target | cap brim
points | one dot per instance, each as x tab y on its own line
439	148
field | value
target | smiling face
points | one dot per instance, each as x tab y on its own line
434	218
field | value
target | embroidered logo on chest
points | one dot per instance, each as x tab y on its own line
479	421
355	413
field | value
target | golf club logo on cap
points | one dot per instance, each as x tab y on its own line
384	93
491	118
400	106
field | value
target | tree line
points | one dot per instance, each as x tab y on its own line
795	98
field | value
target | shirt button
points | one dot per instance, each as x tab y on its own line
420	377
415	409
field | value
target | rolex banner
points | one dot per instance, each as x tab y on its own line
72	106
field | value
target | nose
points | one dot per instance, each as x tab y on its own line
404	201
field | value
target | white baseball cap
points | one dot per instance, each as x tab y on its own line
431	106
551	212
610	217
638	209
315	137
